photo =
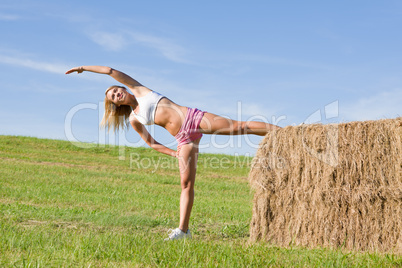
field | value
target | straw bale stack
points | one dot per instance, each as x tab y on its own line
335	185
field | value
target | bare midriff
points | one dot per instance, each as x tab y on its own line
170	115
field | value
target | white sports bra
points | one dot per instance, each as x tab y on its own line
147	108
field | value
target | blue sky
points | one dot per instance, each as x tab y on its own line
284	62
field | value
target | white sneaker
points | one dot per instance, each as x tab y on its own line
177	234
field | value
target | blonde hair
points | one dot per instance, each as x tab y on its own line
115	117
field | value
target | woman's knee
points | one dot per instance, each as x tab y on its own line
187	183
239	127
187	176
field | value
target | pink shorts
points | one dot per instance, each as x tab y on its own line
190	131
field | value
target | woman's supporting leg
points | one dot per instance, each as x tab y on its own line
215	124
188	157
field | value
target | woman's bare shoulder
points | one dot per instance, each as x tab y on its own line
140	91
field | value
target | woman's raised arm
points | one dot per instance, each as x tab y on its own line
117	75
144	134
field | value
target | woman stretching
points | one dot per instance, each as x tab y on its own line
146	107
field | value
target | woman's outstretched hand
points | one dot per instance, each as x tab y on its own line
75	69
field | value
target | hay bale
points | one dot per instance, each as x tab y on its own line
336	185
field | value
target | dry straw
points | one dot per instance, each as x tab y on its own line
336	185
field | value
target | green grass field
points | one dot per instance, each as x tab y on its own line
66	206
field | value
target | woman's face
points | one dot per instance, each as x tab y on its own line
117	95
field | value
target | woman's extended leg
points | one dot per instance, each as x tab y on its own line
215	124
188	157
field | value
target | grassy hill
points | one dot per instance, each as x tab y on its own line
64	205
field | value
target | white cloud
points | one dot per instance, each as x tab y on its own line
118	41
110	41
165	46
36	65
382	105
9	17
